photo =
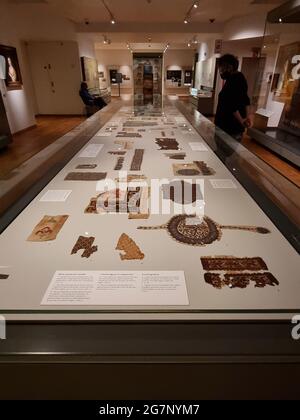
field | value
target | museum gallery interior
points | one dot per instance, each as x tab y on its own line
141	238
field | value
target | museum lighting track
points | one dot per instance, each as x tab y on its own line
166	48
193	41
112	18
189	13
129	48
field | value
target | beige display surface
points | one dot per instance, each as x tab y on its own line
32	265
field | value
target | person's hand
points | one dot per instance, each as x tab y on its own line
248	123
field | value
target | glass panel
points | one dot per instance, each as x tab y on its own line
277	120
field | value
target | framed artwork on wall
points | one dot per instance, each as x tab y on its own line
13	78
174	75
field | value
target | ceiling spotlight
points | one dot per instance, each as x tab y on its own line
195	5
112	18
186	21
280	20
189	44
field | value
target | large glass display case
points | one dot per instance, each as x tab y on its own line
78	250
277	120
113	289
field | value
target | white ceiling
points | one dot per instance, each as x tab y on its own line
162	20
167	11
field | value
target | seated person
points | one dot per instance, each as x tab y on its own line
89	99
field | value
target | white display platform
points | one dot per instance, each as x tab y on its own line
31	266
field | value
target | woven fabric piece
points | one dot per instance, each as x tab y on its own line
181	192
204	169
47	229
134	200
113	153
167	144
202	234
137	160
138	124
86	244
86	166
4	276
240	280
127	145
119	164
176	156
233	264
128	135
85	176
130	249
186	169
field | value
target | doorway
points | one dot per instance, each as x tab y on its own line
5	133
147	71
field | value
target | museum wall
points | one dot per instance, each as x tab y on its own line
120	60
56	73
86	46
245	27
18	24
177	60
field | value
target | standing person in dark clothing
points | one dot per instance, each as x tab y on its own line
233	112
88	99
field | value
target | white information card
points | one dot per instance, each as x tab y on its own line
198	147
91	151
117	288
55	196
223	184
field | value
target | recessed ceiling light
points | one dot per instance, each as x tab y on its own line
280	20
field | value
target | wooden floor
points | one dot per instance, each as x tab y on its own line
28	143
286	169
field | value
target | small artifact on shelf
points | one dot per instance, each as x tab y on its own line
176	156
132	178
133	200
138	124
119	165
181	192
187	169
139	216
204	169
137	160
233	264
85	176
86	244
126	145
86	166
123	134
193	169
167	144
182	229
48	228
130	249
117	153
240	280
4	276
